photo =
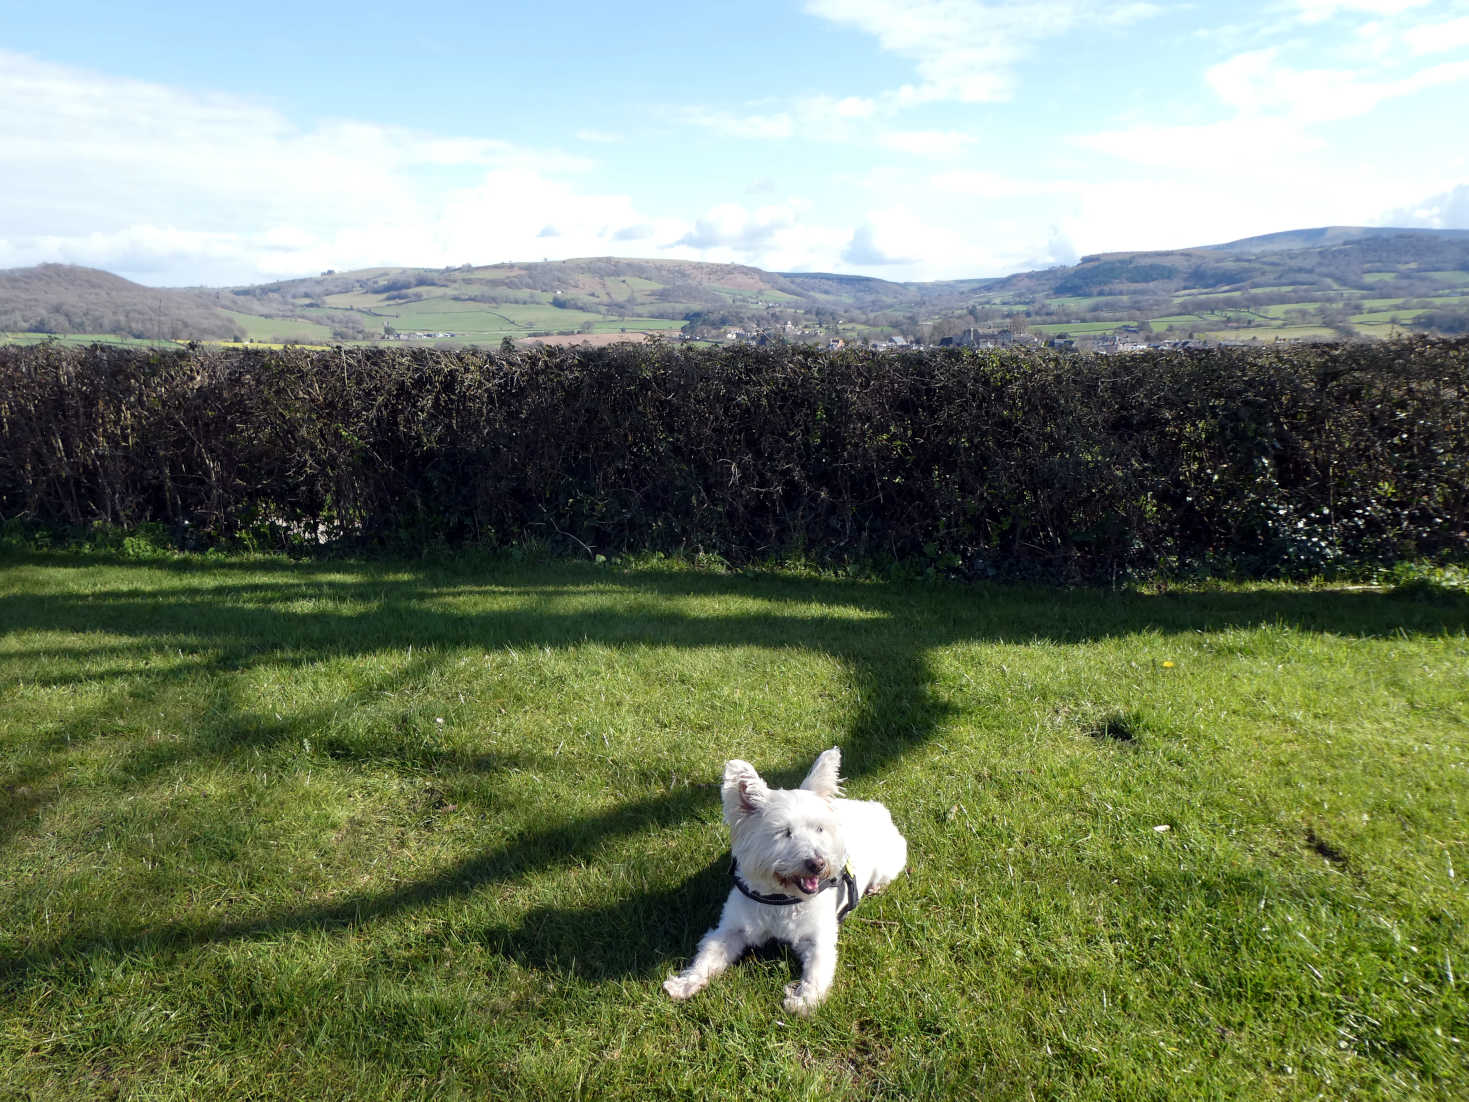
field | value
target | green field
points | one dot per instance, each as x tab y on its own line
279	829
1077	328
1281	309
80	338
476	322
355	300
280	329
1383	317
1081	305
1272	333
613	325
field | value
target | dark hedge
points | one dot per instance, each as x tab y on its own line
1284	459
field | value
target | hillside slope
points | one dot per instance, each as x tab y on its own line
1325	281
63	298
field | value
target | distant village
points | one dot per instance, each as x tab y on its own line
1127	338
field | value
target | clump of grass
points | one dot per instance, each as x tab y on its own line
1416	581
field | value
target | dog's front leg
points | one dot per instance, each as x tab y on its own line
818	968
720	948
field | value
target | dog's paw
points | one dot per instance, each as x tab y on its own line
682	986
801	998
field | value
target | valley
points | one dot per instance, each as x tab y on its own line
1326	283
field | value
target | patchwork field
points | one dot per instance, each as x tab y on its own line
274	829
281	329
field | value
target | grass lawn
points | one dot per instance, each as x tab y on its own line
284	830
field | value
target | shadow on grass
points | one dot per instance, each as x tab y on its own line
308	613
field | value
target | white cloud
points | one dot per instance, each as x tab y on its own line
1318	11
817	108
1256	83
1446	211
1189	202
986	184
173	187
733	227
812	118
863	251
1273	108
1434	38
748	125
963	51
152	181
894	237
926	143
1059	248
1237	142
967	50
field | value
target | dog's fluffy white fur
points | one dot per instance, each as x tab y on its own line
794	842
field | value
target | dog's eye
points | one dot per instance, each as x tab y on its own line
820	830
788	832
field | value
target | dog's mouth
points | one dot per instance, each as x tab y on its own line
808	885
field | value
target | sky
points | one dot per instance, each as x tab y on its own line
180	144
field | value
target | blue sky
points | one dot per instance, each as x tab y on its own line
178	144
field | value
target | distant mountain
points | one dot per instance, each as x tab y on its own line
1325	259
1328	236
63	298
1332	280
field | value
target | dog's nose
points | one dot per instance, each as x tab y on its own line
814	865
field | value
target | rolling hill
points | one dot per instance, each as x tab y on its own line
1326	281
62	298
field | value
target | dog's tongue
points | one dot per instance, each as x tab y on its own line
809	884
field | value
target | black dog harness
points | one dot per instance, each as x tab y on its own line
846	904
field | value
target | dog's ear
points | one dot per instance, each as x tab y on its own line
823	779
744	792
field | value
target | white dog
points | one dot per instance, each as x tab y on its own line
803	858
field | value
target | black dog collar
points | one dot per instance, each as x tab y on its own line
845	905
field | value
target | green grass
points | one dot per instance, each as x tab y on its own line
1272	333
612	325
1077	328
358	300
1181	319
1380	317
309	830
8	337
475	321
1279	310
1082	303
280	329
